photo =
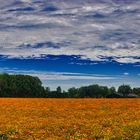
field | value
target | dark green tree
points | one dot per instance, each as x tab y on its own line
58	90
20	86
125	90
136	91
112	90
104	91
72	92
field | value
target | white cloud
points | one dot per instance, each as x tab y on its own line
127	60
126	73
47	76
84	24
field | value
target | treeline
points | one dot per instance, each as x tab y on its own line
95	91
20	86
28	86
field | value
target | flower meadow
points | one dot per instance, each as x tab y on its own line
69	119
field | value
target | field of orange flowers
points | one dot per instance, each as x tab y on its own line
69	119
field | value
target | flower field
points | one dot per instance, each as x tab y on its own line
69	119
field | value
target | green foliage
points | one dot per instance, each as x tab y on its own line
72	92
136	91
28	86
20	86
112	90
3	137
59	89
93	91
124	89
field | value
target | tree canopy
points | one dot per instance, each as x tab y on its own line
124	89
20	86
28	86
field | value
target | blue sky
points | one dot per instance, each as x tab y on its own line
71	42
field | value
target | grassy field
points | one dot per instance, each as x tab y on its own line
69	119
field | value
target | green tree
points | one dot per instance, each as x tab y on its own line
72	92
112	90
83	92
20	86
96	91
93	91
136	91
59	90
125	90
104	91
47	92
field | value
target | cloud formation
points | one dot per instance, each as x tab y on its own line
47	76
92	29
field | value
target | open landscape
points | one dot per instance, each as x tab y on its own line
69	69
69	119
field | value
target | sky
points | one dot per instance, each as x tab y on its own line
71	43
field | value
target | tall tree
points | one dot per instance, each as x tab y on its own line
20	86
125	90
59	90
